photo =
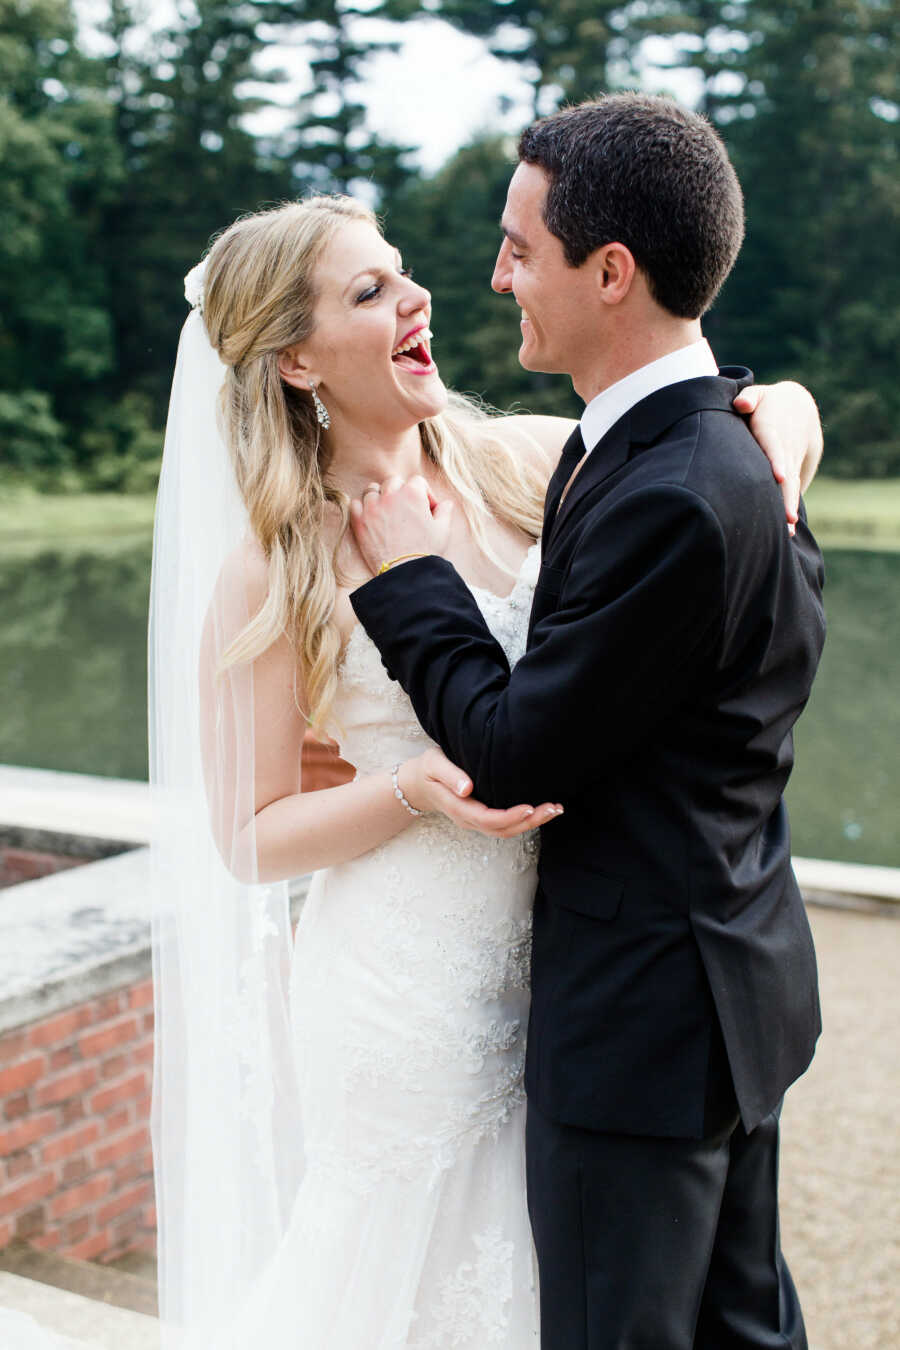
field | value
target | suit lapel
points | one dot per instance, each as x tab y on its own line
608	455
641	426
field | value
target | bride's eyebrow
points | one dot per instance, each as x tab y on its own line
375	272
365	272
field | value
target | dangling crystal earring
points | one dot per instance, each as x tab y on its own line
322	416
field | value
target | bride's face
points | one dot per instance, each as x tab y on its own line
367	308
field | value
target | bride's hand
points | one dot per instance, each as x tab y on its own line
785	421
395	520
430	782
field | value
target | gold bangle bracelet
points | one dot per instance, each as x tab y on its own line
404	557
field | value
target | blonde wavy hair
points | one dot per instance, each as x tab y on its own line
259	298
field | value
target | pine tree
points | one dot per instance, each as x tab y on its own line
569	50
181	102
807	95
329	141
60	164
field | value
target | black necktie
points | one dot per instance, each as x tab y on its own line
572	455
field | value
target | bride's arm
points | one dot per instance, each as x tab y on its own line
783	418
300	832
285	832
537	438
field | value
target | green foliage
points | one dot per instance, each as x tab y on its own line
569	49
179	98
122	448
329	136
118	168
31	437
807	95
58	164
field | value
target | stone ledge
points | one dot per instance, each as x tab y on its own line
859	886
101	1283
89	1324
113	809
73	936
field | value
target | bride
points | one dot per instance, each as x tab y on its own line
338	1120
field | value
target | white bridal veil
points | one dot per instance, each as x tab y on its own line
225	1125
226	1138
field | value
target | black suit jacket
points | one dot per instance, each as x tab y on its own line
675	633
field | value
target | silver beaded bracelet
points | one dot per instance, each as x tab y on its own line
398	792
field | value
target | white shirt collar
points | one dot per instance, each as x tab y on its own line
610	404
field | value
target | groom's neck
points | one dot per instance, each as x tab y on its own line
629	342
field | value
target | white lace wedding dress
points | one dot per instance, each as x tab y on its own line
409	998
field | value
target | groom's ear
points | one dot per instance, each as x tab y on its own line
294	368
614	272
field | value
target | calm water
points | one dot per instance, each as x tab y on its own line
72	672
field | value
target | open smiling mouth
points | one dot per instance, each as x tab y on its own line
414	353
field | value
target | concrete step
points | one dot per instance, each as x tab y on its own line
122	1287
91	1305
81	1323
137	1263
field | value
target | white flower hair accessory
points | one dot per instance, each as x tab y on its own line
194	283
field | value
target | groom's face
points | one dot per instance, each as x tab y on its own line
559	319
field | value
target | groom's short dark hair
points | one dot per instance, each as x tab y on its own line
642	171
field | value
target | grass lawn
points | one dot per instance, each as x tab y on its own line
856	513
862	513
88	522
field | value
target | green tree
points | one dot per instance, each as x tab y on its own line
568	49
329	138
807	95
193	164
117	171
181	100
59	166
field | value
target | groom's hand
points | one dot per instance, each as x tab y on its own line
430	782
396	518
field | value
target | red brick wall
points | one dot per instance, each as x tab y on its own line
22	864
75	1165
322	766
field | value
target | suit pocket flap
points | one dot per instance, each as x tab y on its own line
584	890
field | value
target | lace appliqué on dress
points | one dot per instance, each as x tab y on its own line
473	1304
410	1009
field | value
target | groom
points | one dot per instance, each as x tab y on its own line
674	637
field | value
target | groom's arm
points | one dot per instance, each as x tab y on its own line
640	608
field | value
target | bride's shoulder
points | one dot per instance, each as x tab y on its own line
244	572
537	438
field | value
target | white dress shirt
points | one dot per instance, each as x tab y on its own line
610	404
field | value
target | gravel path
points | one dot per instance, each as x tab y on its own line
840	1164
